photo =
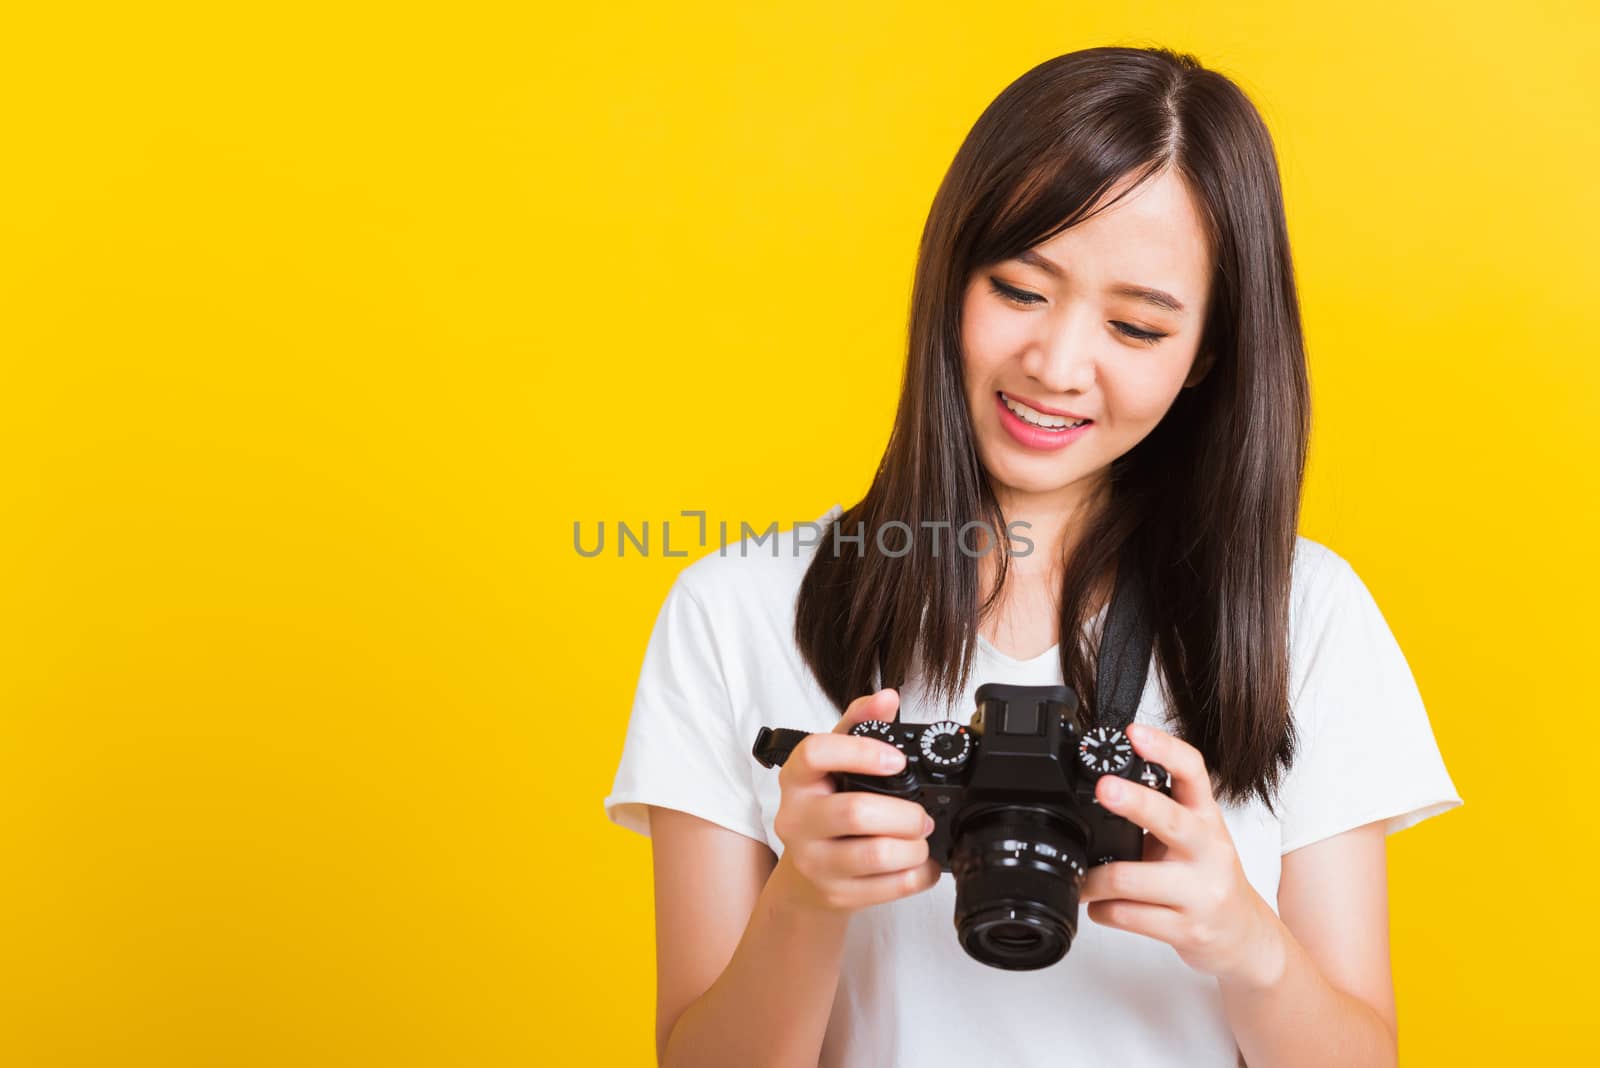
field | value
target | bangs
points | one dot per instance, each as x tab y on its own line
1060	190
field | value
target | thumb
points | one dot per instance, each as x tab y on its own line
881	705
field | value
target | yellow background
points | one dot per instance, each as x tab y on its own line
323	324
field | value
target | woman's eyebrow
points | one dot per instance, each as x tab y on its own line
1159	297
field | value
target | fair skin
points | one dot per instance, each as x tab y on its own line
1059	328
752	980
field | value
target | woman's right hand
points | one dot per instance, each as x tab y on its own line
845	850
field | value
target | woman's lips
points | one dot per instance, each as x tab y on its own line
1029	402
1037	438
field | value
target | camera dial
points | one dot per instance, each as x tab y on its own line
1105	751
946	745
880	729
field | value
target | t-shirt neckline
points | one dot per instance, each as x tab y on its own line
1052	653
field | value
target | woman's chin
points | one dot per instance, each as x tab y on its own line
1011	470
1042	476
1032	483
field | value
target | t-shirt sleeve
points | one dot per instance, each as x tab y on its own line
1366	749
680	750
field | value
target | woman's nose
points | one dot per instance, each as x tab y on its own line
1061	361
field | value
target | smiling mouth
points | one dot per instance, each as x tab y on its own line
1040	419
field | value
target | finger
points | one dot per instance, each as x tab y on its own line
853	813
857	857
880	705
890	886
1134	880
1153	810
818	755
1191	783
1155	921
1155	850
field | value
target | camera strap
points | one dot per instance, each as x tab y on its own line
1125	644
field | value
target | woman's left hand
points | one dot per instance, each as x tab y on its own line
1189	890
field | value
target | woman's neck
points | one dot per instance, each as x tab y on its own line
1025	621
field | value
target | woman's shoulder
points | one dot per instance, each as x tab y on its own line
1335	624
1365	748
1319	577
755	581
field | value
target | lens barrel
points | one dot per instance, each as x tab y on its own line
1017	870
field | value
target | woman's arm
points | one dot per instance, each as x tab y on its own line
1325	995
1308	989
745	975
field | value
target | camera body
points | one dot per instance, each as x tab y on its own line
1022	747
1015	817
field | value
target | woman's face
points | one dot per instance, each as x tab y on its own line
1068	337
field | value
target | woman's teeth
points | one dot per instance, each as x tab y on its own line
1039	419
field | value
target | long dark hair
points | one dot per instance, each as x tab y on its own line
1206	505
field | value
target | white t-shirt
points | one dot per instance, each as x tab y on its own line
722	662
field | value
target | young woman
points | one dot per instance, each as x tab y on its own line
1106	371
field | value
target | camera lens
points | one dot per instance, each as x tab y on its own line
1013	936
1017	870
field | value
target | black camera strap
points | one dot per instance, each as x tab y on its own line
1125	644
774	744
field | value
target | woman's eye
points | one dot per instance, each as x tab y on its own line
1147	336
1027	299
1016	296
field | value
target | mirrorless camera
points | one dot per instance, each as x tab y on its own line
1015	817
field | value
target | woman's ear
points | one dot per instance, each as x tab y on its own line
1200	368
